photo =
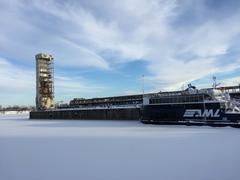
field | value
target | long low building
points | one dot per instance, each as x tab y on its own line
128	100
134	100
118	107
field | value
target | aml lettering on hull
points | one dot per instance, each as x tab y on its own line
199	113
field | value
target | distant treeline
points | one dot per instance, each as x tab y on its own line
17	108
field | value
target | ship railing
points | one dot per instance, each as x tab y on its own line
97	107
234	105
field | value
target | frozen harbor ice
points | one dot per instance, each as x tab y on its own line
115	150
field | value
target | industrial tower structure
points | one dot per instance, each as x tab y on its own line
44	81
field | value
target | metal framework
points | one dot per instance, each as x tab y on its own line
44	81
107	101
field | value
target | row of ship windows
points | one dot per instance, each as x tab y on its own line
107	102
176	100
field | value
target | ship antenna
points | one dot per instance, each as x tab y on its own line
143	84
142	89
215	84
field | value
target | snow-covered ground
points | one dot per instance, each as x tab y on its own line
115	150
13	112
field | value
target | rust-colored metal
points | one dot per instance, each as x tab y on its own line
44	81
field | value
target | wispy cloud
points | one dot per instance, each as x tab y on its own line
18	83
15	79
180	41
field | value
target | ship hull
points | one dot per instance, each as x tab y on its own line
189	113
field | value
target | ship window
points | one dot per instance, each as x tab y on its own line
165	100
191	99
184	99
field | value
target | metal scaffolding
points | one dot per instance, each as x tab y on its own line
44	81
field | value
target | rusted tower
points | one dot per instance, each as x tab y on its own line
44	81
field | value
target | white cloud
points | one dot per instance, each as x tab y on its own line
233	81
18	85
100	34
22	36
15	79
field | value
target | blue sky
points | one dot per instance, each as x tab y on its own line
103	47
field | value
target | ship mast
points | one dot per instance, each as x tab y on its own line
215	84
